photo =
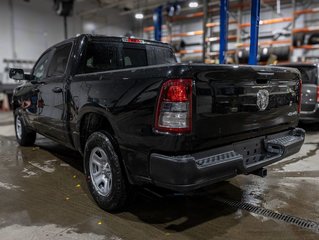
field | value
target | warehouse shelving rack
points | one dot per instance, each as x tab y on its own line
211	36
312	8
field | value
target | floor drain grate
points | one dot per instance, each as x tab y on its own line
303	223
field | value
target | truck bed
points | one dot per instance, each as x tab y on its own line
225	106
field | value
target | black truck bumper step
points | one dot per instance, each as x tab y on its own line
274	148
218	159
188	172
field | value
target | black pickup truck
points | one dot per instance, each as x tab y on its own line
140	118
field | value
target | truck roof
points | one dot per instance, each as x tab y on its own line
124	39
299	64
115	39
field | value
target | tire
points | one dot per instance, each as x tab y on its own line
298	39
313	39
282	53
24	136
106	181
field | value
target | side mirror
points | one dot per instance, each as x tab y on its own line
16	74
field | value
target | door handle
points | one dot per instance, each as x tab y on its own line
36	90
57	90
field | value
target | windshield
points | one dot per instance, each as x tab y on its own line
309	74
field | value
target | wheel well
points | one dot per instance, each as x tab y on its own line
90	123
15	104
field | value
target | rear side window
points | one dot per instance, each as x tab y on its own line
59	60
309	75
99	57
150	55
160	55
134	57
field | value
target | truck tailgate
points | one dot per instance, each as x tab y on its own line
232	102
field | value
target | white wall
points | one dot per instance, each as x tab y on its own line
36	27
108	22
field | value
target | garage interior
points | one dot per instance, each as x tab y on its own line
43	192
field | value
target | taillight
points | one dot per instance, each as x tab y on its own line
300	93
174	107
318	94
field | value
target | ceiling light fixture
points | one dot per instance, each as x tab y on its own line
139	15
193	4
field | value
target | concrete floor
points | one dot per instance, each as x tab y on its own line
43	195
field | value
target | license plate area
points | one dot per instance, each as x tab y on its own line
253	151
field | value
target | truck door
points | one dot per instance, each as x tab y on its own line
30	101
52	114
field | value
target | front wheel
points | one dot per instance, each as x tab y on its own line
24	136
105	176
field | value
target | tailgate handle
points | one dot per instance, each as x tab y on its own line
261	81
264	77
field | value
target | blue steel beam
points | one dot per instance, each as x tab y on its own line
254	29
223	30
158	20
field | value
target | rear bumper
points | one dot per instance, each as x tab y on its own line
189	172
310	116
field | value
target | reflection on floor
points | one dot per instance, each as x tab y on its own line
43	195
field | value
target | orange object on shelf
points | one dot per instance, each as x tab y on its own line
148	29
268	21
306	11
281	62
264	43
188	34
187	16
218	23
151	28
190	51
216	53
217	39
305	30
308	47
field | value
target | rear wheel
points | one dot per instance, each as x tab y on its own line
105	176
24	136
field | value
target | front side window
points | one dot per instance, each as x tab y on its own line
59	60
41	66
99	57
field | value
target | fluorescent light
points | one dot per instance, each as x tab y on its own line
89	27
139	15
193	4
